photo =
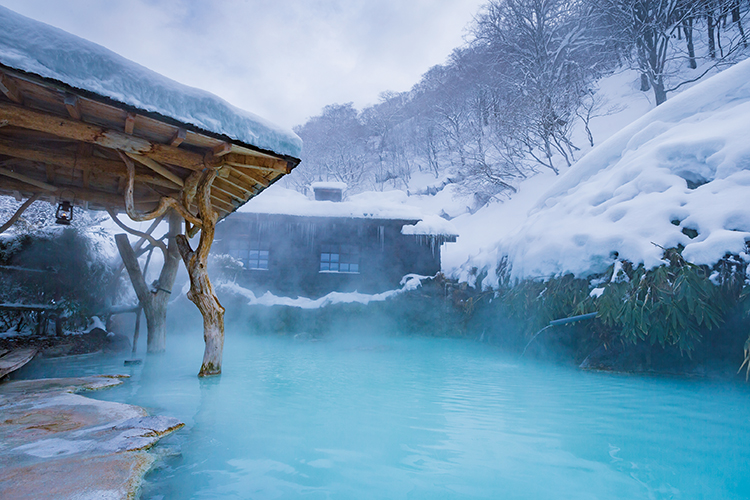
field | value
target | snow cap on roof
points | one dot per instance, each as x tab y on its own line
367	205
46	51
329	185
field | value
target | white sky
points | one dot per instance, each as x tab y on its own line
281	59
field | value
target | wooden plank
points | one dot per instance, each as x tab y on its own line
222	149
27	180
223	200
60	158
159	169
256	163
242	150
178	137
10	89
227	191
79	131
15	360
241	189
251	177
73	106
100	198
130	123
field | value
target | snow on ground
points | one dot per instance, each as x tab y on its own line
38	48
683	165
409	282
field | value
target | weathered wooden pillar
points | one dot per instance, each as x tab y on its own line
153	299
201	291
156	318
196	188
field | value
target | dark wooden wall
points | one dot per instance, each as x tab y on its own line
295	244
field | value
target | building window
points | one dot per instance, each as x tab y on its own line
257	259
253	253
339	259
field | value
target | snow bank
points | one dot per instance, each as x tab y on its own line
683	166
409	282
38	48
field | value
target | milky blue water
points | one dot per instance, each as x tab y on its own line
394	417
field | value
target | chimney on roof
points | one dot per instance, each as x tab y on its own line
328	191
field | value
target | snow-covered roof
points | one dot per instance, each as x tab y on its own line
367	205
43	50
328	185
682	167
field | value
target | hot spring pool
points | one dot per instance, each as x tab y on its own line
394	417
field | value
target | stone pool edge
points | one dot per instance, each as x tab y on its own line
57	443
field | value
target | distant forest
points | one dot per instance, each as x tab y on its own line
504	105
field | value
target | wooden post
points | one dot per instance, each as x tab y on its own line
153	299
201	291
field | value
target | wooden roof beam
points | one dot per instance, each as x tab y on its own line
227	191
159	169
73	106
222	199
78	131
57	157
178	137
80	195
10	89
250	176
130	123
237	189
256	163
222	149
27	180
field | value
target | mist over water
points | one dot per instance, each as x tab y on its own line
393	416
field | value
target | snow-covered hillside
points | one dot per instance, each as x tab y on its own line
682	167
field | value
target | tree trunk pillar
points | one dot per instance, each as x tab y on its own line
156	315
201	291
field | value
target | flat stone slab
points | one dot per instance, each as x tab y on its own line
13	360
56	443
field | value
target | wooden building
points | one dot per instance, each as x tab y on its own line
80	126
313	248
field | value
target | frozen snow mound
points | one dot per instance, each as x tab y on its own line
43	50
679	175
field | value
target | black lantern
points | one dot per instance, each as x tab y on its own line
64	213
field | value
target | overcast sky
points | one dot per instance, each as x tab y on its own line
281	59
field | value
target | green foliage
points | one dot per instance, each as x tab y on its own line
536	303
674	304
669	305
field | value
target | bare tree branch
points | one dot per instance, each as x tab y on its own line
19	212
165	203
144	236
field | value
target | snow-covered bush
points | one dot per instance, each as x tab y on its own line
43	263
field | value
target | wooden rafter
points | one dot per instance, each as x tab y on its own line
28	180
10	89
178	137
22	117
256	163
159	169
73	106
